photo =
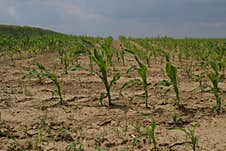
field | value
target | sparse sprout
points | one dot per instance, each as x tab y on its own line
74	146
45	73
191	135
34	73
150	133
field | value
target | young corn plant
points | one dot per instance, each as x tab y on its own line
53	78
79	50
143	72
75	146
103	66
150	134
177	120
65	63
202	85
215	79
171	72
191	135
34	73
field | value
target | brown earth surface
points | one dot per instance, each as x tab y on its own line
30	113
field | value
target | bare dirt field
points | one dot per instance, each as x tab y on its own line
31	117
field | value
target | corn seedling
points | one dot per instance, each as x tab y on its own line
103	74
202	86
74	146
188	70
34	73
65	63
75	53
143	72
137	127
191	135
38	140
214	78
118	132
53	78
177	120
150	134
171	72
120	54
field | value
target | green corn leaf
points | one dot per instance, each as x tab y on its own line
215	67
98	56
130	51
153	125
76	67
132	68
78	52
214	79
87	43
167	56
145	114
33	72
115	78
171	71
163	82
41	67
142	70
166	91
138	61
99	60
131	83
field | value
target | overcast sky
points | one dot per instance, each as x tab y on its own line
140	18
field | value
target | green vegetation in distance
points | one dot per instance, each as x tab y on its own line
22	31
